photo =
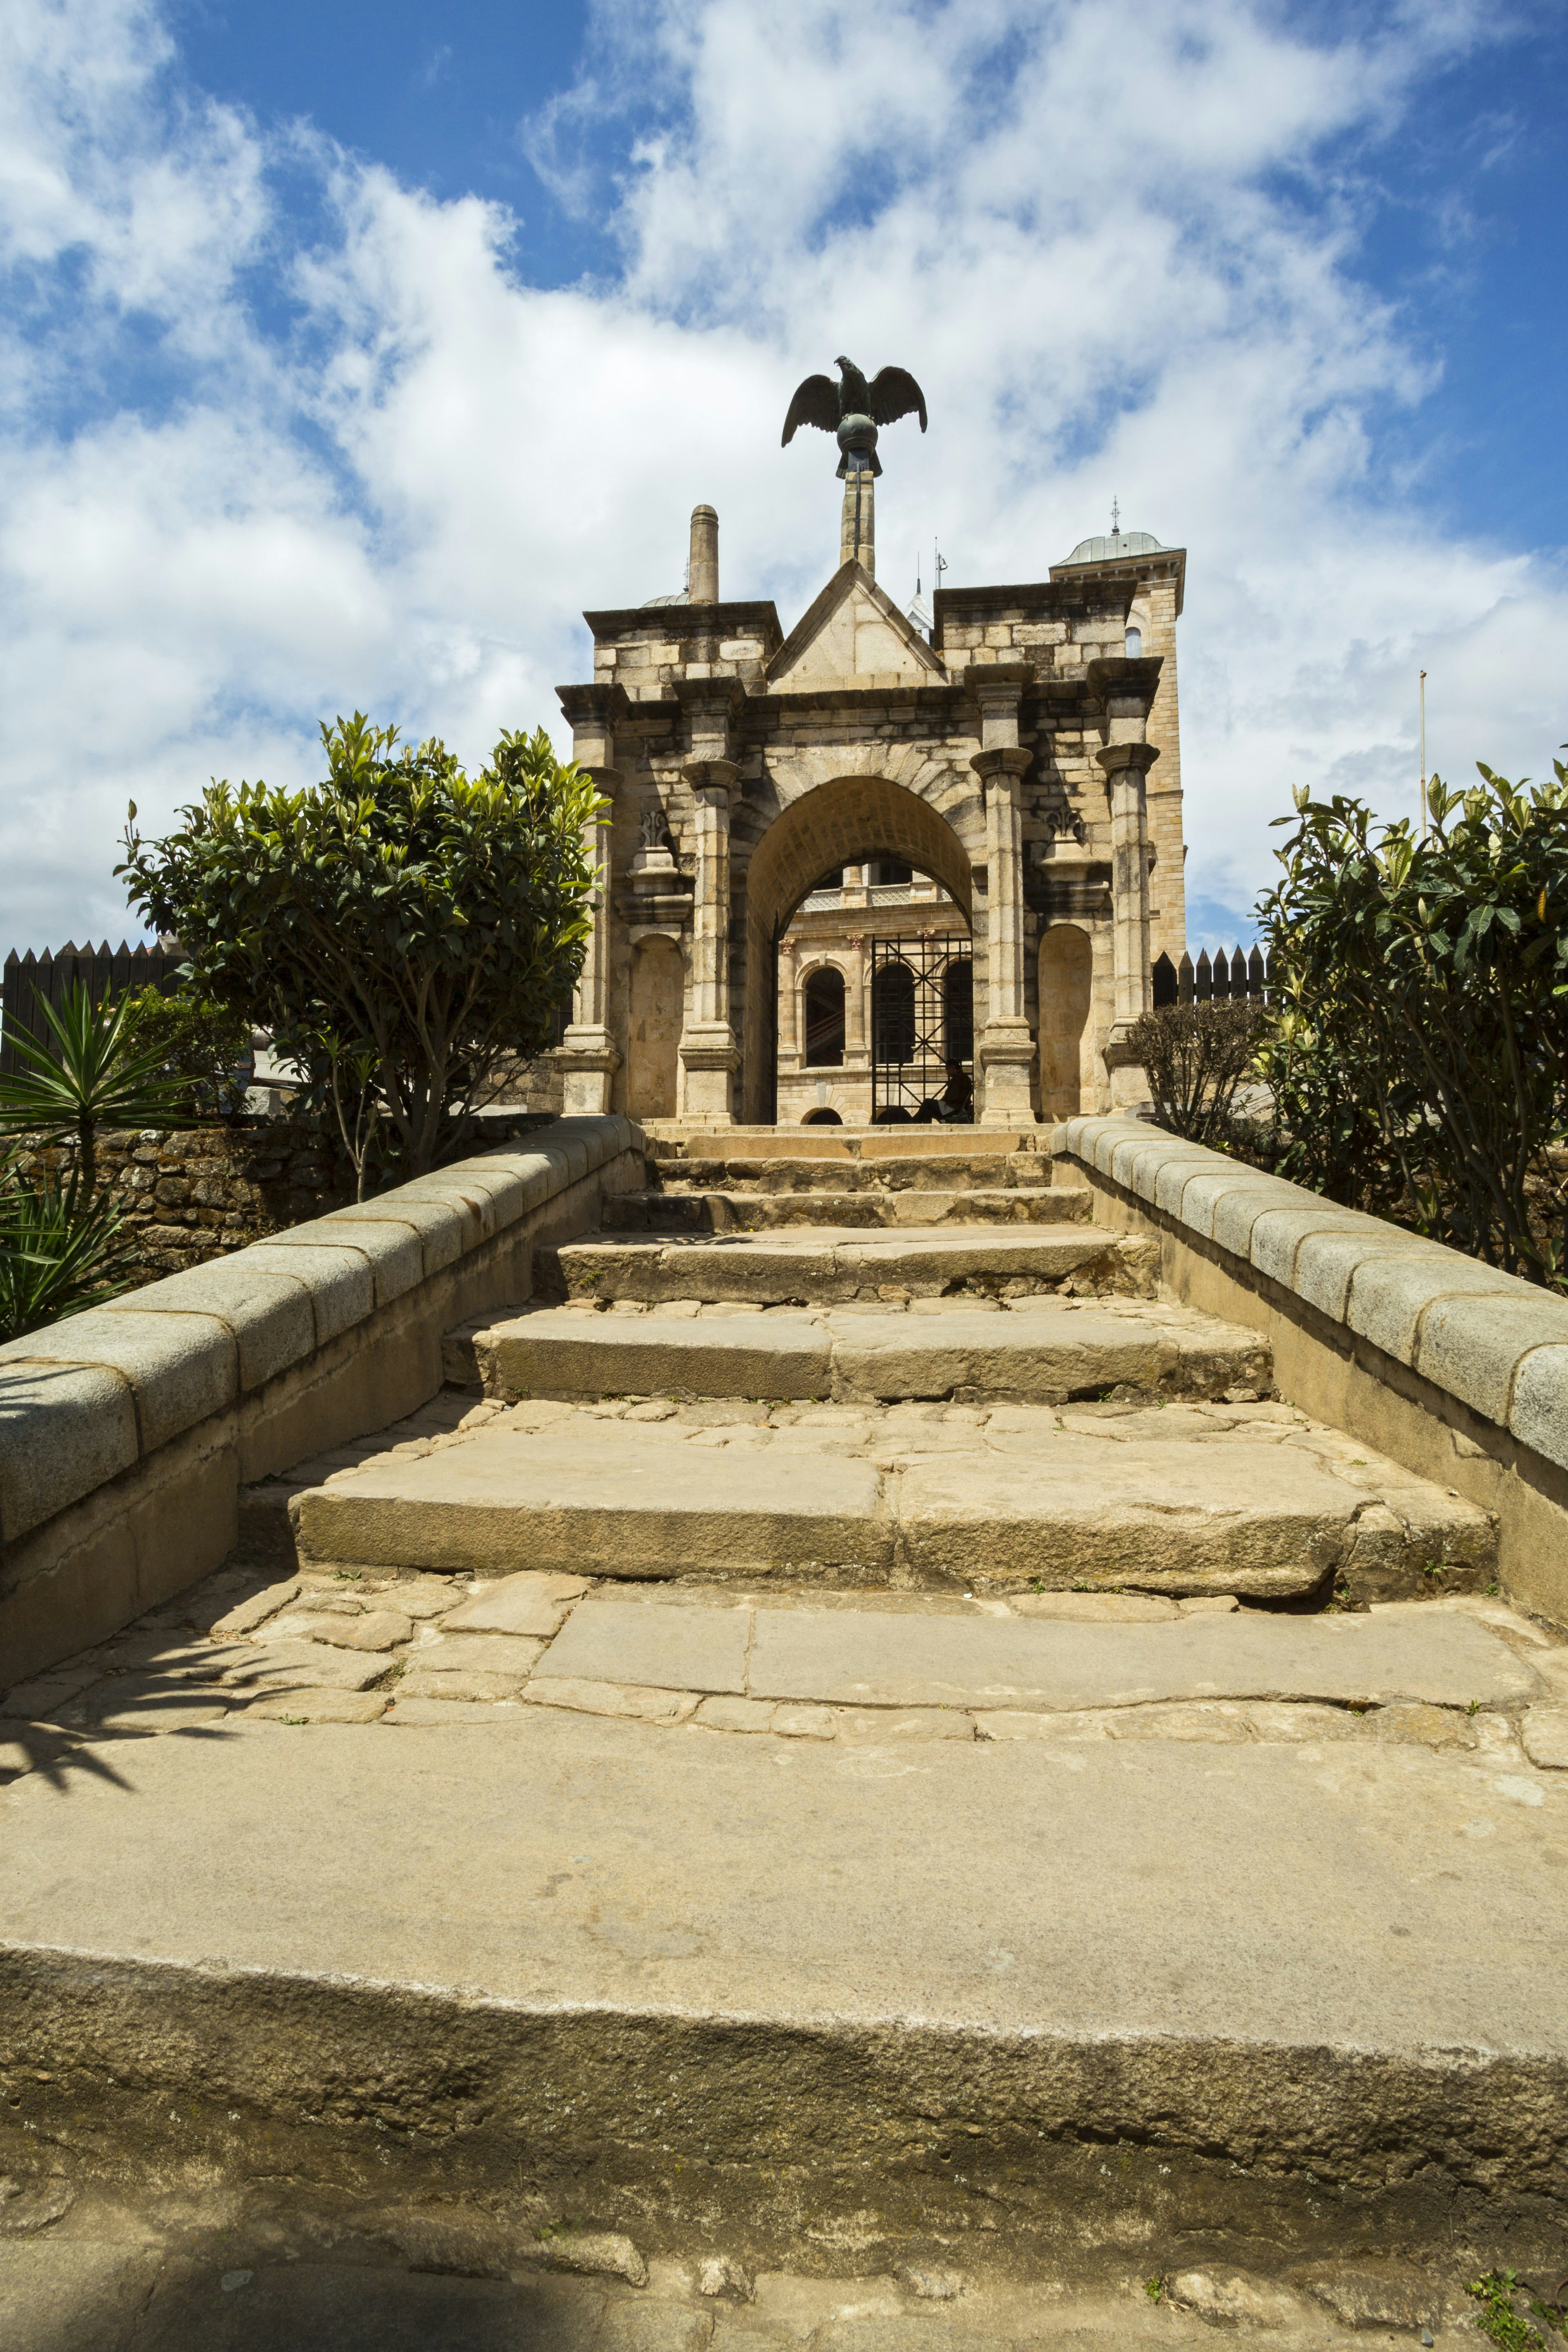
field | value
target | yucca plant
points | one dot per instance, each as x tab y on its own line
61	1251
92	1077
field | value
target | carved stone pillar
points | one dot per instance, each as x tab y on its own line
855	1002
588	1055
709	1053
1126	767
789	1006
1007	1045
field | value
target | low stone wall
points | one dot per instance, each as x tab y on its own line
1455	1370
190	1195
127	1433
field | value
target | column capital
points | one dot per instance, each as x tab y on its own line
712	778
606	780
594	711
1006	761
1118	756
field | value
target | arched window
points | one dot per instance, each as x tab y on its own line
821	1118
1134	645
825	1019
888	871
893	1014
958	1010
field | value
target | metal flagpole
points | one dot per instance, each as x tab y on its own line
1423	755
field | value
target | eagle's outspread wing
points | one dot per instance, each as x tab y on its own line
894	393
816	403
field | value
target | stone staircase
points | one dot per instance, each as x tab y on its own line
854	1737
753	1180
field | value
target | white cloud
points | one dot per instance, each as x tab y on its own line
1117	243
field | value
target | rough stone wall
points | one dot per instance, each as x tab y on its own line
191	1194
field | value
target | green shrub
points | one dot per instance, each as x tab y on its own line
1195	1056
203	1048
1419	1057
402	929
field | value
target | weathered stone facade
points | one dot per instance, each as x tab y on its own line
1008	759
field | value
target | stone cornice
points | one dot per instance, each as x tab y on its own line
676	621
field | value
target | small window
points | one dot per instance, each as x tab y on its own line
889	870
1134	645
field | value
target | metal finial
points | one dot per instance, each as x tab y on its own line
1115	518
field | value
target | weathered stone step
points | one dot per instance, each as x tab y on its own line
904	1141
747	1212
833	1265
1144	2006
1043	1351
1019	1497
944	1171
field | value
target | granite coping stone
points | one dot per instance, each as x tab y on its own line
1495	1342
64	1430
442	1230
180	1367
392	1255
266	1307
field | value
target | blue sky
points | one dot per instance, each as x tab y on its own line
348	354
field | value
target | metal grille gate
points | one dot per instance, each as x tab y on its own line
923	1016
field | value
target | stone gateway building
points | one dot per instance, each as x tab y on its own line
1021	764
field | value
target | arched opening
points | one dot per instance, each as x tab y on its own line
893	1014
653	1044
821	1118
1067	1039
850	822
824	1019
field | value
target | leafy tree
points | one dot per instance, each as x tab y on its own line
1195	1056
94	1075
203	1048
402	929
1419	1060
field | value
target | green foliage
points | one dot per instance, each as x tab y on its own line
1195	1057
401	927
95	1077
1419	1055
203	1048
61	1250
1497	2292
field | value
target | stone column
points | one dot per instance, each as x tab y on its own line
709	1053
1126	766
1007	1052
858	522
588	1053
855	1000
789	1005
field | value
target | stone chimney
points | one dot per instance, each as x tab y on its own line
703	586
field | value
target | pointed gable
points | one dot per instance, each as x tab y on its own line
853	634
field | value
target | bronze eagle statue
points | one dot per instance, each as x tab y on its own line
852	409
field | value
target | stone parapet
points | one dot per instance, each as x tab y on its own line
1457	1369
126	1433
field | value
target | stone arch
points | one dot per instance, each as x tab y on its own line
1067	1032
653	1028
841	821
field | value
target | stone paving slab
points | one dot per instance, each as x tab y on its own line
894	1661
722	1210
693	1649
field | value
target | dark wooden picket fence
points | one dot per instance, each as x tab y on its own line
1199	983
104	971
